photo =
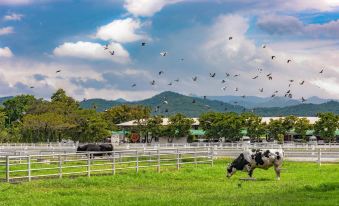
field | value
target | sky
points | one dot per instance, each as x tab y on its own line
40	37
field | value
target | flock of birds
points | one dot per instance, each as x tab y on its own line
269	76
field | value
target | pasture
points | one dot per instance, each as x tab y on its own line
301	184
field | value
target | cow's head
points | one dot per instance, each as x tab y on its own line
230	170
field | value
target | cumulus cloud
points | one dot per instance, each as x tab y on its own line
290	25
6	30
330	85
121	30
94	51
147	7
5	52
13	17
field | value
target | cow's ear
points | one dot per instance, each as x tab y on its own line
242	155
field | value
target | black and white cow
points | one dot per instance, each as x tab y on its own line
257	158
104	148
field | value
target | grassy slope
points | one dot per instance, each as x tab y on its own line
301	184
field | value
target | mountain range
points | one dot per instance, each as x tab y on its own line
171	103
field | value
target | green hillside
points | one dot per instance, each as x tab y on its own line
167	103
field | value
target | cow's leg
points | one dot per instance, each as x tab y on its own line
250	173
277	171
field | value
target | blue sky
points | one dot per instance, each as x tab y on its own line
37	38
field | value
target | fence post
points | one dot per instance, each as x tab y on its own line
158	160
195	156
88	164
212	157
178	160
7	168
137	161
60	166
113	163
29	168
319	156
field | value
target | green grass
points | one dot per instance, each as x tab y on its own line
301	184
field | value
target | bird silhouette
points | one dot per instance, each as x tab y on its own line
272	57
261	89
288	61
111	52
106	47
212	75
321	71
32	87
160	72
236	89
302	82
273	95
224	88
143	43
236	75
134	85
58	71
165	102
153	82
176	80
170	84
255	77
270	77
194	78
291	80
230	38
263	46
303	99
227	74
163	53
223	81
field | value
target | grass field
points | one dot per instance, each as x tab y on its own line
301	184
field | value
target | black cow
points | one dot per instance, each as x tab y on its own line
99	150
257	158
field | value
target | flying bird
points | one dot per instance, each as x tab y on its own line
288	61
273	95
143	43
291	80
263	46
269	74
195	78
152	82
111	52
182	59
212	75
236	75
259	69
165	102
230	38
302	82
236	89
227	74
58	71
272	57
106	47
160	72
223	81
276	91
32	87
134	85
321	71
177	80
255	77
224	88
270	77
170	84
163	53
261	89
303	99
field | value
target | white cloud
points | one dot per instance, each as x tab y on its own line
6	30
94	51
6	52
13	17
330	85
146	7
121	30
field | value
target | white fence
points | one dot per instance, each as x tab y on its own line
28	167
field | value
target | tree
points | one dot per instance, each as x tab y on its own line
208	121
327	125
253	125
179	126
276	128
230	126
289	123
301	126
154	127
16	107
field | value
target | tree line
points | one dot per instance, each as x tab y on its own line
25	118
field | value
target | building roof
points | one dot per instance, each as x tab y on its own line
165	121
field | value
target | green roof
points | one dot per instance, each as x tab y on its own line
197	132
